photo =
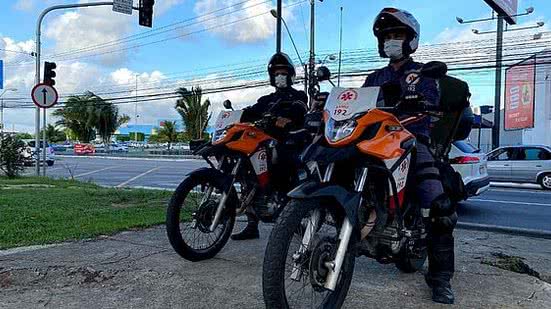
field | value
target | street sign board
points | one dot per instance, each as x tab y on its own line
44	96
505	7
122	6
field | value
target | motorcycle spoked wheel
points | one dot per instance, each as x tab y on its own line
189	217
285	252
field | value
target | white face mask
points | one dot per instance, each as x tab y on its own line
281	81
393	49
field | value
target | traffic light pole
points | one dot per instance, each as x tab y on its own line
497	104
37	73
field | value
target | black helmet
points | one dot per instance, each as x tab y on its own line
281	61
391	19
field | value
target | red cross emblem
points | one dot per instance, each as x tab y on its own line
349	95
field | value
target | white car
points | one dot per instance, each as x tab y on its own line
30	148
472	165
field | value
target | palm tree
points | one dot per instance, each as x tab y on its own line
108	121
78	115
195	113
54	135
88	114
168	133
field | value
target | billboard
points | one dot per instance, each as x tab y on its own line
520	90
505	7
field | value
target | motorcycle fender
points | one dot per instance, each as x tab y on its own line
345	199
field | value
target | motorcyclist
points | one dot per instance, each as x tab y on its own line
397	32
289	107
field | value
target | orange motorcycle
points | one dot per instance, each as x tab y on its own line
202	211
359	197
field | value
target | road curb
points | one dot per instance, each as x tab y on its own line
191	158
504	230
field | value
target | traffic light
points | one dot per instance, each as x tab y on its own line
146	12
49	73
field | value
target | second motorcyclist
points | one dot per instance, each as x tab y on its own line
288	106
397	32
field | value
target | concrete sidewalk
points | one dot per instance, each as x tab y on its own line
139	269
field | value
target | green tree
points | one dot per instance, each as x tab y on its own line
24	136
54	135
167	133
107	121
11	156
194	112
88	114
78	115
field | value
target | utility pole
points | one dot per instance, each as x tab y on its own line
340	52
497	104
278	27
312	62
136	111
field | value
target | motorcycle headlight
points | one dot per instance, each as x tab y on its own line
337	130
219	135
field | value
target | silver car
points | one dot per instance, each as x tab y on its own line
522	164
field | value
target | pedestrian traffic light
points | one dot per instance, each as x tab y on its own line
49	73
146	13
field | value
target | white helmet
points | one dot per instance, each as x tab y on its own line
391	19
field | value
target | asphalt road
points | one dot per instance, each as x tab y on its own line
508	207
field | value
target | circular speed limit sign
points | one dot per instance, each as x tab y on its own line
44	96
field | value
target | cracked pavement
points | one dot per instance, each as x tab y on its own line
139	269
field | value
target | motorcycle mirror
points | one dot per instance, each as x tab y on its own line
227	104
434	69
323	73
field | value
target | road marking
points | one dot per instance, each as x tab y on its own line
522	190
137	177
96	171
507	202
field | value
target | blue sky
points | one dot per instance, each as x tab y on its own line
249	43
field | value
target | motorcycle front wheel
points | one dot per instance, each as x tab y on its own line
294	272
191	211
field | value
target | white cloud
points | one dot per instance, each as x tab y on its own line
24	5
249	22
164	6
84	29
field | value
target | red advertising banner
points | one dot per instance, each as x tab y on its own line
520	95
84	149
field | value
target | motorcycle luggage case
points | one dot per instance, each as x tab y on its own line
457	120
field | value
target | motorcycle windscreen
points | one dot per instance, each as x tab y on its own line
225	119
344	103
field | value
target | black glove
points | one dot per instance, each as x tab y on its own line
442	213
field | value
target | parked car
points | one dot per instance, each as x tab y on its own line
521	164
117	148
30	155
472	165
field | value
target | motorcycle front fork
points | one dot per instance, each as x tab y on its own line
224	197
333	267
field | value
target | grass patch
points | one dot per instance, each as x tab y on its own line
35	210
511	263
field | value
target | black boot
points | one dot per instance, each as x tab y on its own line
250	231
441	268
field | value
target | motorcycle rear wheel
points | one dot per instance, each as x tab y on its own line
281	259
